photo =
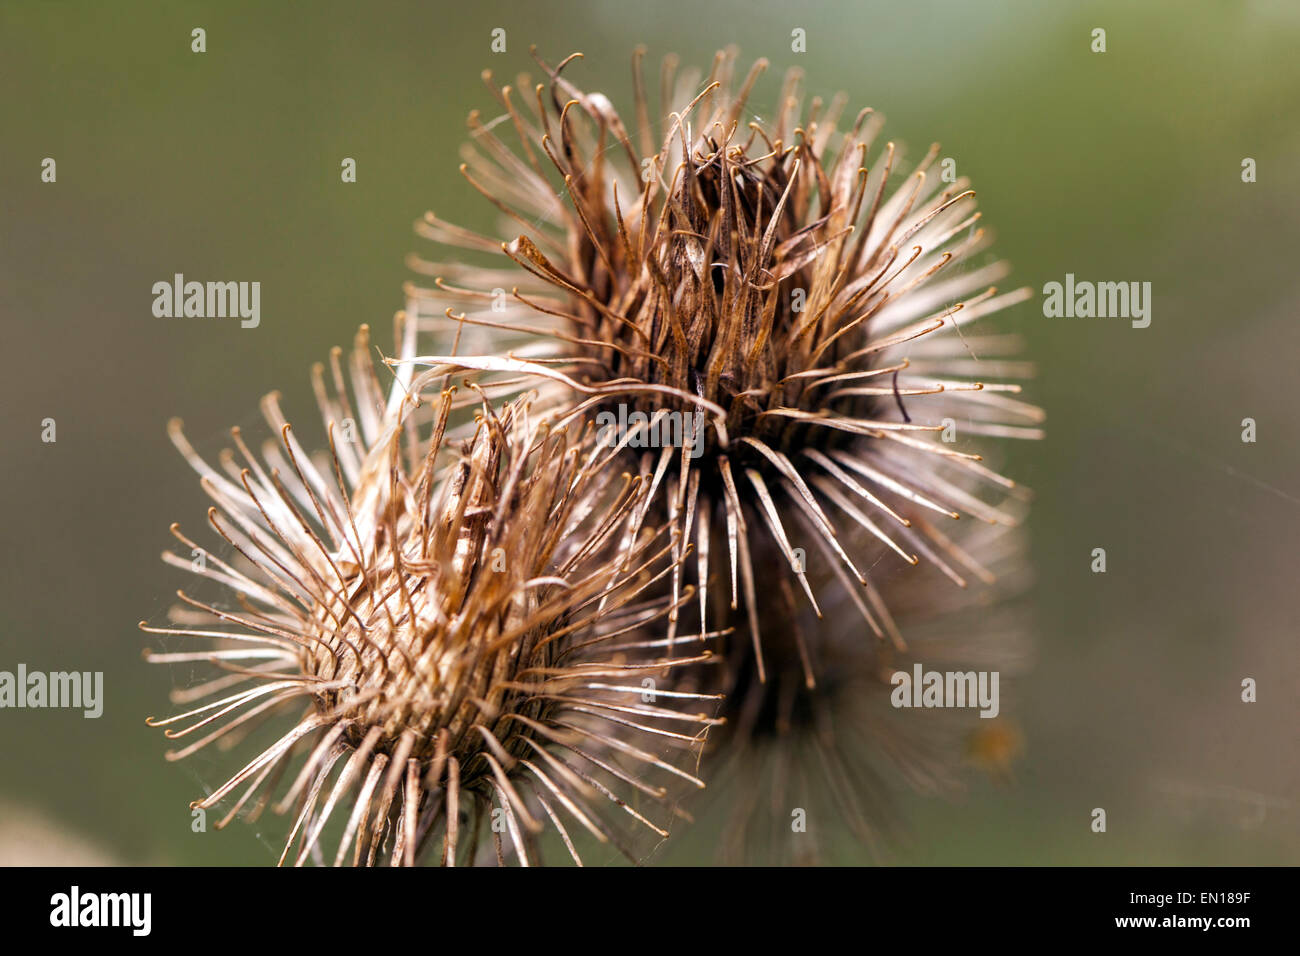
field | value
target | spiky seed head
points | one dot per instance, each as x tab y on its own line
467	627
779	274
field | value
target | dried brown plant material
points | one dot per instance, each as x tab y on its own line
464	633
797	770
781	282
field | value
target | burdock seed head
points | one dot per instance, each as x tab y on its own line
815	775
777	275
461	631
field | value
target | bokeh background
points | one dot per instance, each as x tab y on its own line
1117	166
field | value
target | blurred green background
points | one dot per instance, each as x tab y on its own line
1117	166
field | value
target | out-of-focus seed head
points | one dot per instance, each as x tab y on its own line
839	753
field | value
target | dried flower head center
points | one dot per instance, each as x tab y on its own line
416	652
742	276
